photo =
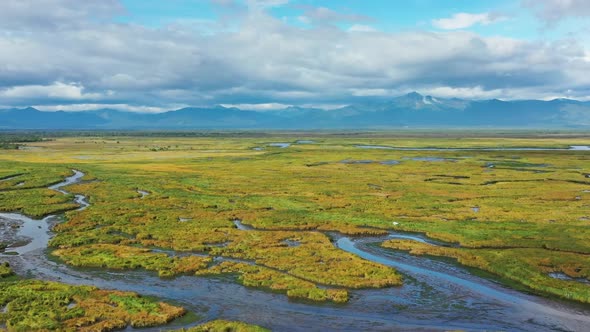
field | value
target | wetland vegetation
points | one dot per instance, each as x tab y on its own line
214	206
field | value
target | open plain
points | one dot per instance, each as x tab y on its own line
348	231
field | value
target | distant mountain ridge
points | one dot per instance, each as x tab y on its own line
412	110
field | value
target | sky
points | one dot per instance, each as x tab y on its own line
158	55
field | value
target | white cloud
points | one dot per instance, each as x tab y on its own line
258	107
56	90
466	20
324	15
304	19
479	93
552	11
31	14
264	60
476	92
94	107
372	92
361	28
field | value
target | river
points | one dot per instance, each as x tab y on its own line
435	296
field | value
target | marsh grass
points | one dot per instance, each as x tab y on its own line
528	267
34	305
208	182
224	326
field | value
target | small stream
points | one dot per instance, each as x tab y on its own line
35	231
68	181
384	147
8	178
435	296
38	231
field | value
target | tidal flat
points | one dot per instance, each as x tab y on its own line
316	232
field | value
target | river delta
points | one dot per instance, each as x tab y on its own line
297	233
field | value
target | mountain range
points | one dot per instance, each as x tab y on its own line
408	111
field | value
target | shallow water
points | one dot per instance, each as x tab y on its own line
292	243
8	178
242	227
430	159
415	237
435	295
348	161
68	181
280	145
563	276
382	147
514	306
37	231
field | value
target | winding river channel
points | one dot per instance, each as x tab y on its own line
436	295
383	147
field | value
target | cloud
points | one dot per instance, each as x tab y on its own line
323	15
234	5
264	60
258	107
373	92
552	11
466	20
94	107
34	14
361	28
56	90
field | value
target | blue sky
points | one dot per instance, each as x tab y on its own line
154	55
517	21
